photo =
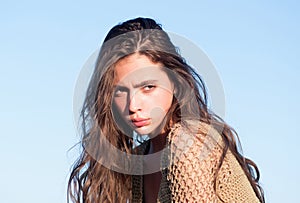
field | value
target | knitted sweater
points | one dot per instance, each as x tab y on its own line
189	164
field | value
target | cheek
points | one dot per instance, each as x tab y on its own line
160	106
120	104
164	101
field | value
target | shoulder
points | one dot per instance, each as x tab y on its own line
195	137
196	149
196	129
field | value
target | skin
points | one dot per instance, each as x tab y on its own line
143	95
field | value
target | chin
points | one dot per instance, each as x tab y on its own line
150	131
143	132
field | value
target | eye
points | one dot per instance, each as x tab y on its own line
148	88
120	91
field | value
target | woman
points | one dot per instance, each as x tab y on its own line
142	86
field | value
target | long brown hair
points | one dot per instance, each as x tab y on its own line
89	180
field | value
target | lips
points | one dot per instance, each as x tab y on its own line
140	122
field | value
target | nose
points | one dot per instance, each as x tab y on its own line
135	102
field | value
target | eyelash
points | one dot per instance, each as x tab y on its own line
148	88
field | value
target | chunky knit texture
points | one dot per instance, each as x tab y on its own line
189	164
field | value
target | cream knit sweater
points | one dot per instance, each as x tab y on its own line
189	165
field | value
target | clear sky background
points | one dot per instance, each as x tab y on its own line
254	45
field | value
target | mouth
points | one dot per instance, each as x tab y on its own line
140	122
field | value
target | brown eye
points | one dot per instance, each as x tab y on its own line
149	87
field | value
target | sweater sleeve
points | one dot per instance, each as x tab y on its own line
232	183
194	167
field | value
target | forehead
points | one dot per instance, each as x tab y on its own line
136	68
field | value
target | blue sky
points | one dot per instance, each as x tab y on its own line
44	44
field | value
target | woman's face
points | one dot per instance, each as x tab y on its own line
143	93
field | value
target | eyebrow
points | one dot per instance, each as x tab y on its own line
146	82
138	85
